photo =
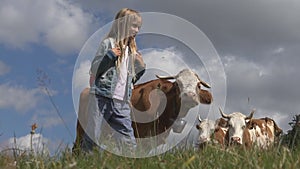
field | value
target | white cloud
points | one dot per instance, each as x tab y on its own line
39	144
167	61
58	24
46	119
278	50
239	68
81	75
18	98
3	68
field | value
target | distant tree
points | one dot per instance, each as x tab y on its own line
292	138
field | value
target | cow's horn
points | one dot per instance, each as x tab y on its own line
165	77
250	116
202	82
223	114
199	118
205	84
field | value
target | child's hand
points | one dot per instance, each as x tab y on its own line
117	51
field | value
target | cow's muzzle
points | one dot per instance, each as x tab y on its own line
236	141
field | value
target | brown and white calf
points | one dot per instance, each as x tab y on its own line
211	131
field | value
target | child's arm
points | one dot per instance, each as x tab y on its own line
104	59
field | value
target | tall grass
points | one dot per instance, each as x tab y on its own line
209	157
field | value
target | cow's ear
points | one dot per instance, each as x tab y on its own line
224	123
199	85
205	97
250	124
217	129
158	86
221	122
250	127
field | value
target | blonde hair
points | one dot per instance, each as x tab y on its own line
120	32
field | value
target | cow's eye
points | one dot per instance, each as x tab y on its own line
243	127
199	85
198	127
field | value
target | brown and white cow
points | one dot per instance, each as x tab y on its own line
237	131
220	131
212	131
251	132
157	104
173	99
263	132
206	129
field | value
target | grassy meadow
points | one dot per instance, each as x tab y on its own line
209	157
285	154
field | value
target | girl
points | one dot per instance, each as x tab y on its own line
116	67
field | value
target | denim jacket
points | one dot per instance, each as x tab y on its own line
104	67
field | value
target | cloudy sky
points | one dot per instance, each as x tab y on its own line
258	43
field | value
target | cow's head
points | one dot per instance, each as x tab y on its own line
190	85
206	129
236	126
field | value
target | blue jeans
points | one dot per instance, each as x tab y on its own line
117	116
